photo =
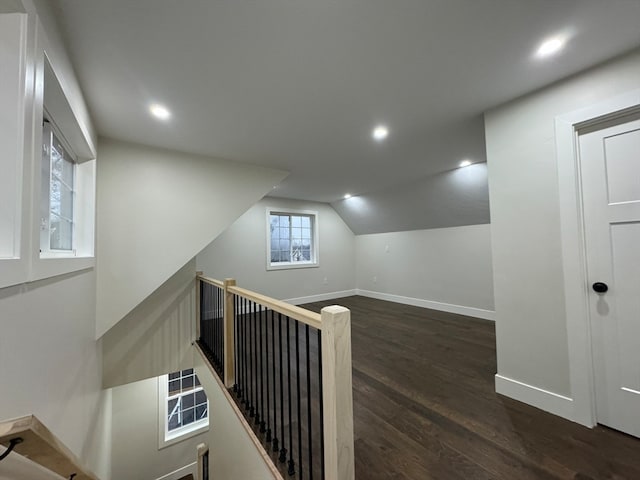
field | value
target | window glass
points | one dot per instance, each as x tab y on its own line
58	194
187	405
292	239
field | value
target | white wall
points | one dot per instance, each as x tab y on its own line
156	210
50	363
155	337
240	253
527	260
135	435
232	454
443	268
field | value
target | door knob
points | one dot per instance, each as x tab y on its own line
600	287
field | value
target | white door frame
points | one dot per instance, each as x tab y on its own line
573	246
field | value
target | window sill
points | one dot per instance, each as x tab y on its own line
184	434
291	266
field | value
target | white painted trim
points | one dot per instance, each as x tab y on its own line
315	261
192	469
166	438
15	193
321	297
418	302
537	397
573	248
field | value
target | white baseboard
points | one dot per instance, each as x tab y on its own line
321	297
418	302
192	469
537	397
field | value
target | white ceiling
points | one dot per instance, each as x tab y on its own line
300	84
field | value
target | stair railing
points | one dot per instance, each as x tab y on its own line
289	370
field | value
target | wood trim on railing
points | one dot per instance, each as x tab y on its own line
212	281
203	450
305	316
337	393
41	446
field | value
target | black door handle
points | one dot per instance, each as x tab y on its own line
600	287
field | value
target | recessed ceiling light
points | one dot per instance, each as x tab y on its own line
159	111
347	195
551	46
465	163
380	133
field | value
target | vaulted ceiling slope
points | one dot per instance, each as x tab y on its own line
299	85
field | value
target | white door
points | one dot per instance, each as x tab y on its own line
610	170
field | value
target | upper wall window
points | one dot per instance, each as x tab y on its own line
57	194
64	210
292	239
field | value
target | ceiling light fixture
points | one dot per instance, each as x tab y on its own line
551	46
465	163
380	133
347	196
159	111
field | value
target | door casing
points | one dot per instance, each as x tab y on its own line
574	260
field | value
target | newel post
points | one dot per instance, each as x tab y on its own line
229	314
337	393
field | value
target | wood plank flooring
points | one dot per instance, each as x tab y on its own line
425	407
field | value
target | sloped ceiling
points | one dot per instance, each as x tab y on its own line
299	85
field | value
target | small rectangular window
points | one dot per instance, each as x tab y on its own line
58	195
291	239
184	406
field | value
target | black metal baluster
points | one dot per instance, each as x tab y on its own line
221	331
321	404
236	348
261	341
266	357
291	470
308	396
283	450
214	340
273	370
216	324
201	309
245	375
298	410
209	323
212	345
255	364
251	373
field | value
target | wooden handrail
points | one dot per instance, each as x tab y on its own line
41	446
300	314
211	281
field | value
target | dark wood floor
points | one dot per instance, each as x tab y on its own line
425	407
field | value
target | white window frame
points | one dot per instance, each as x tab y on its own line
166	437
315	256
55	106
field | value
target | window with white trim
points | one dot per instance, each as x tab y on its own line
292	239
57	194
184	409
